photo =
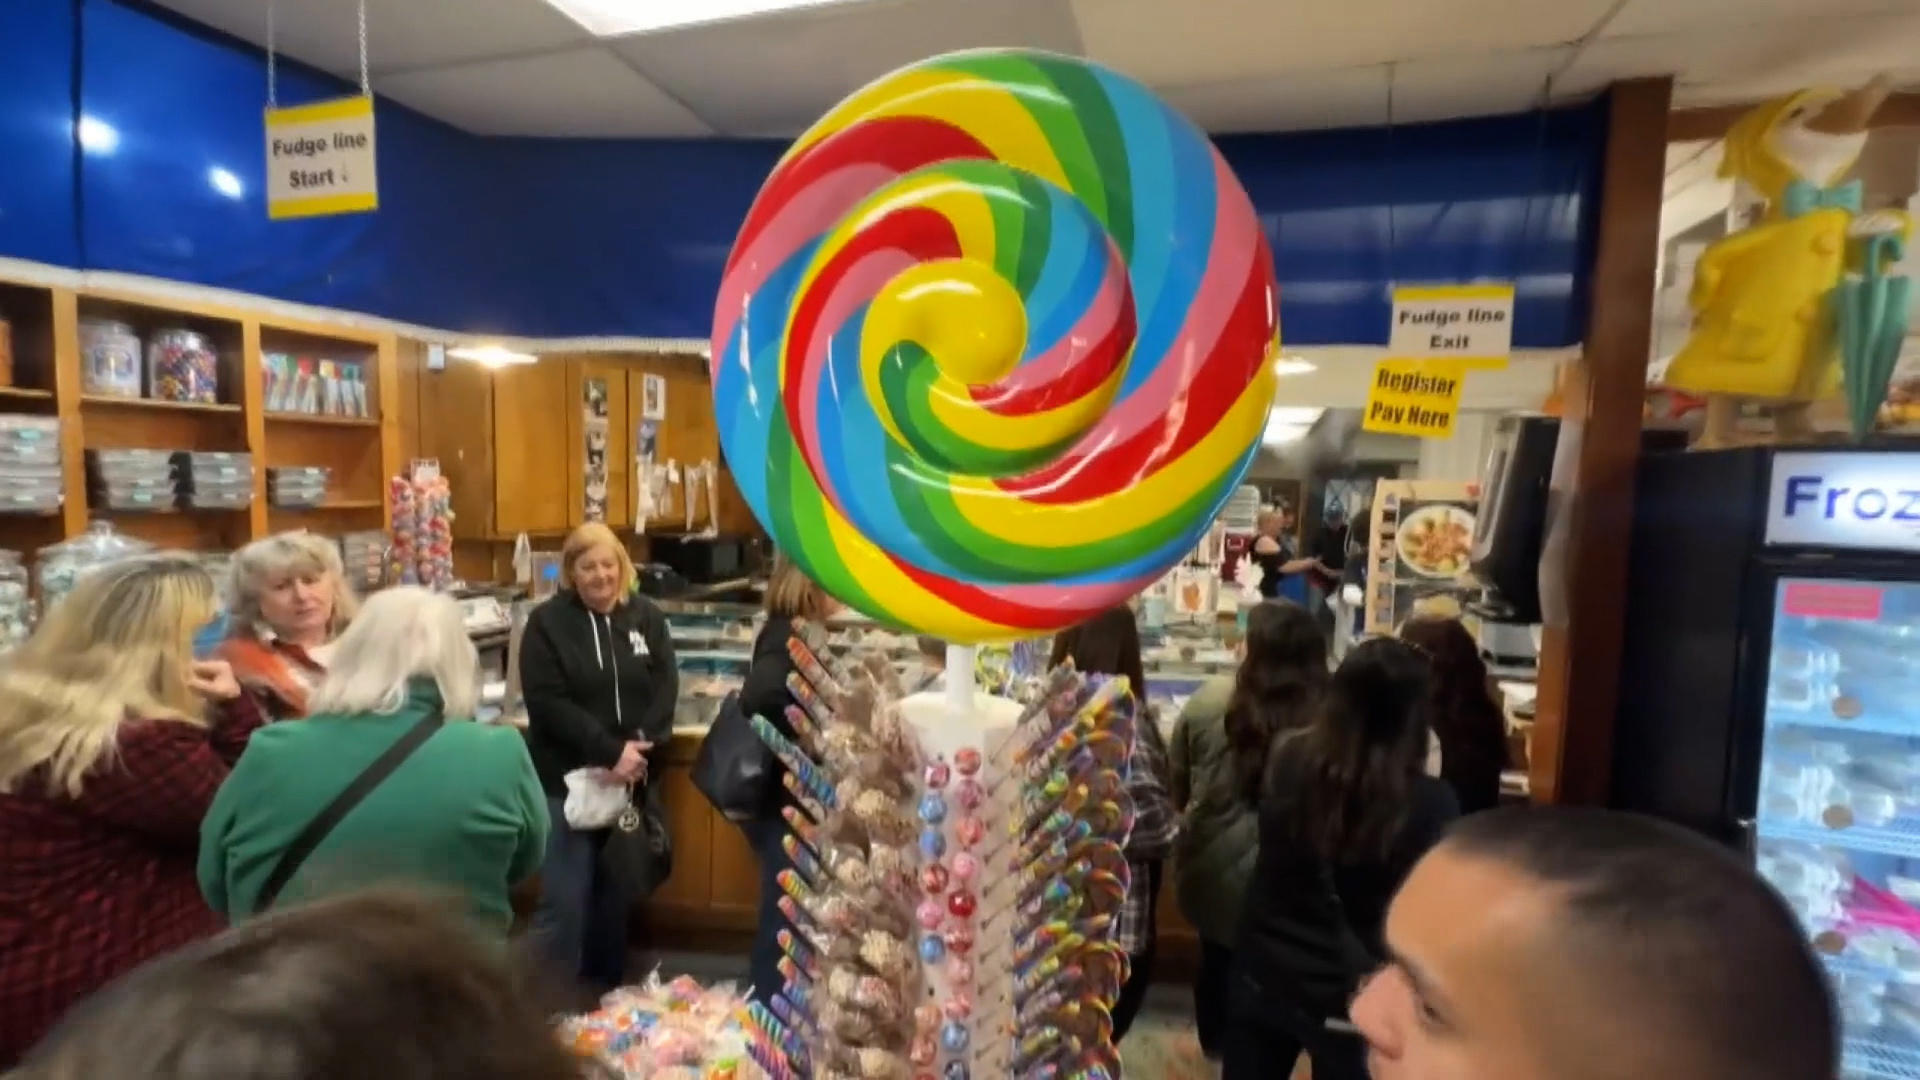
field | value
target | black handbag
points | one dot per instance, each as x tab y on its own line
736	770
638	853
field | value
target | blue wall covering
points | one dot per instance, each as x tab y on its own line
564	238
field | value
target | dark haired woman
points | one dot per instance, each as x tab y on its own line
1109	644
1347	812
1467	722
1219	750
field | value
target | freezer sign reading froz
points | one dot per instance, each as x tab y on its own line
1863	504
1413	397
320	159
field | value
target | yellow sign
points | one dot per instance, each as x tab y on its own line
1414	397
320	159
1472	324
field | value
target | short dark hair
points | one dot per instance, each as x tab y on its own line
387	985
1708	957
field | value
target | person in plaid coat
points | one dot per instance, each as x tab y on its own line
1109	644
113	741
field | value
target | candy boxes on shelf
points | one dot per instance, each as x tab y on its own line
124	480
314	387
30	481
297	485
674	1030
213	480
58	566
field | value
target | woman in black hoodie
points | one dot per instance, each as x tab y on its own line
791	597
597	672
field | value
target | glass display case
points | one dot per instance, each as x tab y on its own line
1178	658
1839	803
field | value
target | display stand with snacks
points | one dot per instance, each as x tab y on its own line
957	861
1417	550
664	1030
420	549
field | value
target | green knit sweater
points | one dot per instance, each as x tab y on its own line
464	815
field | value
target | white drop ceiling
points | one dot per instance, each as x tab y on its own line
521	67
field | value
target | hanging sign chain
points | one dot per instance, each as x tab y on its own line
273	66
366	79
273	89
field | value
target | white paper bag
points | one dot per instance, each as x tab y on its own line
594	799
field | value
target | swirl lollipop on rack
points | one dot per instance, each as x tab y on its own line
953	428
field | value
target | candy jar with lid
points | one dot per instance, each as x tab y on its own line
16	611
109	358
59	566
182	366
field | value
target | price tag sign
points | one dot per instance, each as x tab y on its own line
320	159
1414	397
1471	324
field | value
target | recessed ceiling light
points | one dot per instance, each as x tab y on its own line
493	356
1293	365
1283	433
618	18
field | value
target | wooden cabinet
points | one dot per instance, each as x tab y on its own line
359	452
514	443
596	384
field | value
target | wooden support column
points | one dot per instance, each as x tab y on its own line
1585	565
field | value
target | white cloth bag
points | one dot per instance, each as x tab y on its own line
594	799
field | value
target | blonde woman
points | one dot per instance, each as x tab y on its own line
113	741
462	812
289	600
597	672
791	597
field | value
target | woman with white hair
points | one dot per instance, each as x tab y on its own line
288	601
113	741
387	781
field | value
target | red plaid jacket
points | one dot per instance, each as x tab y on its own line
91	888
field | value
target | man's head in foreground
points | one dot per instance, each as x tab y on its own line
1544	944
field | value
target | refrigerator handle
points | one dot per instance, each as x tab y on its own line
1749	835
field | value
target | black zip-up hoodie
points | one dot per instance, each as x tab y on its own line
594	683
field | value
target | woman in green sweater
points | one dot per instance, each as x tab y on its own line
1220	748
462	813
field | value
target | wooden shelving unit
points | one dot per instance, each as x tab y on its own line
361	452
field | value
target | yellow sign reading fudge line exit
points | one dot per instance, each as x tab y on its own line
1414	397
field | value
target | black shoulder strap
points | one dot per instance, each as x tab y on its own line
342	805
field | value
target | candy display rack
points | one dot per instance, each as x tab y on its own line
207	351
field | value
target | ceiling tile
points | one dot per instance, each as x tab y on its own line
1229	39
1446	89
1643	17
401	34
1755	61
1354	97
585	93
804	62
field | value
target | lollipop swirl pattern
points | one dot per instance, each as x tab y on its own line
994	344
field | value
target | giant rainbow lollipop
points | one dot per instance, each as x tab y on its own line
1000	328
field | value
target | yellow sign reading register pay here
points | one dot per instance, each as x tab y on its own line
320	159
1414	397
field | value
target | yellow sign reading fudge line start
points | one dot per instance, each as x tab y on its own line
1414	397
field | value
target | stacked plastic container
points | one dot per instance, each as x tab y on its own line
297	485
30	480
213	480
16	608
58	566
130	480
365	557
